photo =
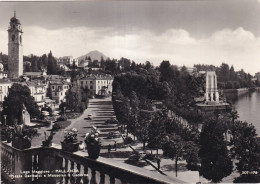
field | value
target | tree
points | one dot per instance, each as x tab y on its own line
134	104
74	98
247	151
142	126
156	132
174	149
191	155
215	161
18	96
234	115
52	65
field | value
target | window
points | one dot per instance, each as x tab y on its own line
55	94
13	37
91	82
20	39
52	87
81	82
86	82
61	93
91	87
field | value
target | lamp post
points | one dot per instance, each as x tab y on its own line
64	110
128	116
5	119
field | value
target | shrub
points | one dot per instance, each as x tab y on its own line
62	118
61	124
128	140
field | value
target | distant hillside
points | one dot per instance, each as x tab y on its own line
95	55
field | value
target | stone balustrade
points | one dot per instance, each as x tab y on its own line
58	166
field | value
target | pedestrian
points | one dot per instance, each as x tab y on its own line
109	150
158	162
115	145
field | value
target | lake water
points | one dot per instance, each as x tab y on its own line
247	105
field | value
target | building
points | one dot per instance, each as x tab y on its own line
68	60
36	75
58	90
257	75
4	88
15	48
38	91
97	84
190	70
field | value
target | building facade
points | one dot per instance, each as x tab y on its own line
68	60
38	91
97	84
58	90
4	88
15	48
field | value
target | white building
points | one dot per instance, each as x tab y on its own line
38	91
97	84
4	88
68	60
58	90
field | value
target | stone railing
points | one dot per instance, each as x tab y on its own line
52	165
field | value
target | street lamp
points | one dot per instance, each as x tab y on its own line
5	119
64	110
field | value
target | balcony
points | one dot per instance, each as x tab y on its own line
53	165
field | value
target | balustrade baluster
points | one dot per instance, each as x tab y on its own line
4	160
112	180
85	178
7	162
93	177
61	178
35	162
13	164
9	158
102	178
66	169
35	165
78	179
2	157
72	179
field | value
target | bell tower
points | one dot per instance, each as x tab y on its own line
15	48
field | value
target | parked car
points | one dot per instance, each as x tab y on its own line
89	117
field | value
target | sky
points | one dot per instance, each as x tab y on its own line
185	32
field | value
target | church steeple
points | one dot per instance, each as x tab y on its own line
15	48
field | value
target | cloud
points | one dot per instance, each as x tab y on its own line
239	47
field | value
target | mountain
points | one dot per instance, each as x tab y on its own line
95	55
